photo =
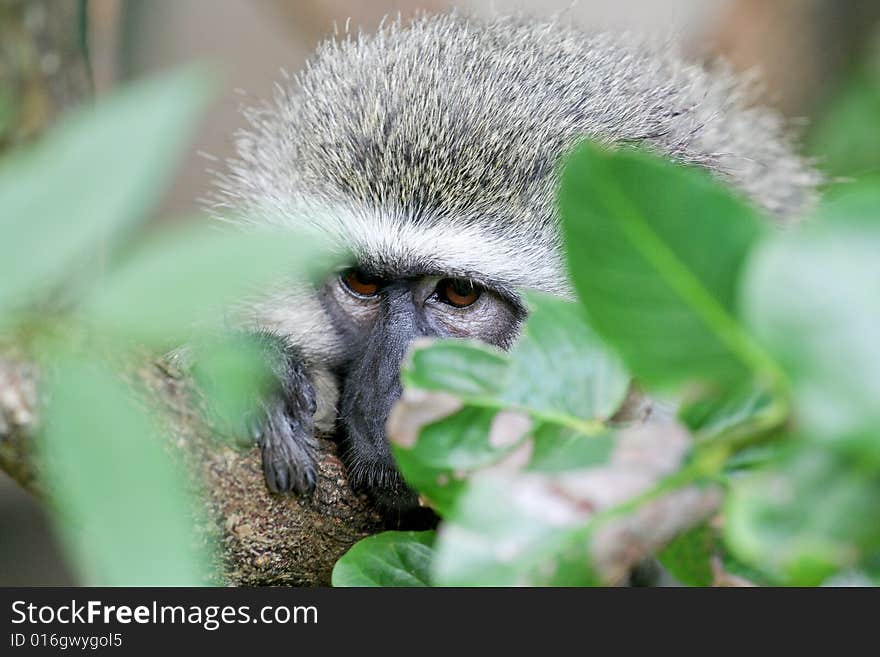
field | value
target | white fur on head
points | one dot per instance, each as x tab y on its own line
435	144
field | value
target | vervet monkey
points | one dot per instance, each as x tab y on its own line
430	151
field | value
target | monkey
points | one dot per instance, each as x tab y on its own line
430	151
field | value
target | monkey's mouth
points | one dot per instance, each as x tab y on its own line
367	456
369	462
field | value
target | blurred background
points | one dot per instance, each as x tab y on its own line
819	61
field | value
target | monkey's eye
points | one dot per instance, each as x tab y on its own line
361	284
458	292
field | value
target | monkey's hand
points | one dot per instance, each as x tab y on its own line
286	430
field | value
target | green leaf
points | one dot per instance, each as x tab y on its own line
448	449
191	277
121	504
558	371
387	559
91	179
440	487
813	298
764	454
558	449
513	531
559	375
655	252
574	528
467	369
689	556
460	441
811	517
232	372
714	416
559	366
564	527
733	566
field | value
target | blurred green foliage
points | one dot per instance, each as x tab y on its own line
80	192
121	504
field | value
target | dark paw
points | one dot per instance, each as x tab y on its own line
288	451
284	426
285	475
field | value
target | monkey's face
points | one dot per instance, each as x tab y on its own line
378	316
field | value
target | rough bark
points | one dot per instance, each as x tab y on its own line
264	539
